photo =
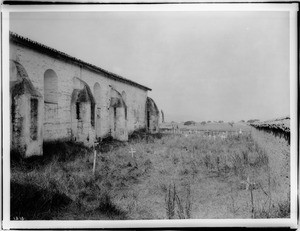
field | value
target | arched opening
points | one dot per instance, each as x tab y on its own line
82	112
50	87
97	95
152	116
118	126
51	121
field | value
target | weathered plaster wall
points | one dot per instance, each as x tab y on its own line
57	113
26	124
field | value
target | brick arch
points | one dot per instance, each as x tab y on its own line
50	86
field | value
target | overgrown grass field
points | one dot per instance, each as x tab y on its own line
169	176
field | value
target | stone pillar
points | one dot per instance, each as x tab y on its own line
26	119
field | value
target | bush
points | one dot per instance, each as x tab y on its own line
189	123
252	121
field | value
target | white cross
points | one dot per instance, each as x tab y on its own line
248	183
132	151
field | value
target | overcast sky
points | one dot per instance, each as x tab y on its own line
201	65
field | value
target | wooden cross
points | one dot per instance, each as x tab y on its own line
132	151
95	155
146	137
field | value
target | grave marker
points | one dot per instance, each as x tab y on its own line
132	151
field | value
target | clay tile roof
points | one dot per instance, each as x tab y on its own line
58	54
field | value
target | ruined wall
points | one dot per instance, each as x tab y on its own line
59	88
26	108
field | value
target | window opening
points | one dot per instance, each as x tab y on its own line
50	87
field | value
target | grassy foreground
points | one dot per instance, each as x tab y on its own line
168	177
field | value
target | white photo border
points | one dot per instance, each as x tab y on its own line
291	222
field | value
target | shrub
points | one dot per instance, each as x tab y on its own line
188	123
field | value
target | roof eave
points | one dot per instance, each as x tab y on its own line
66	57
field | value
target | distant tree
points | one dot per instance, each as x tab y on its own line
203	123
231	123
188	123
252	121
208	121
242	121
221	121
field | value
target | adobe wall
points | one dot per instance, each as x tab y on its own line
57	122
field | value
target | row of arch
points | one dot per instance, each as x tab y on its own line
51	88
86	108
28	104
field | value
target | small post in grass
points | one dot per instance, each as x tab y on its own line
146	137
132	151
250	187
95	155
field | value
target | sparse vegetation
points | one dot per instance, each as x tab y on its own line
168	177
